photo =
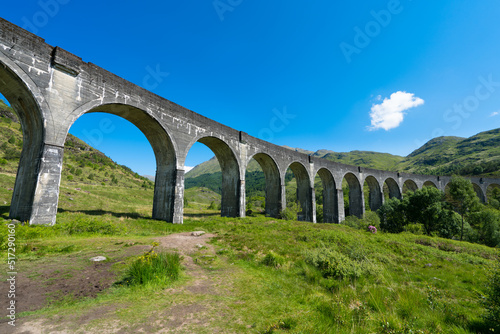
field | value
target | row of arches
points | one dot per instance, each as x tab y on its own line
45	131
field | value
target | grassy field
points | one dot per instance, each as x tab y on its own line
254	275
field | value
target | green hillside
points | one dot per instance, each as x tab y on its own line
82	164
477	155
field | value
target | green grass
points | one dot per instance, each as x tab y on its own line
286	274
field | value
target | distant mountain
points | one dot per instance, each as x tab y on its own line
477	155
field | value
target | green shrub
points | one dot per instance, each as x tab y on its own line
492	298
273	260
79	226
78	172
12	140
415	229
333	264
3	161
70	177
154	268
212	206
291	212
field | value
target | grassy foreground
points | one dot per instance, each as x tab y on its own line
265	275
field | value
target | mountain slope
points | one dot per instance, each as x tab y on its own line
82	164
477	155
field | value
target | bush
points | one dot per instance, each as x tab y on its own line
333	264
492	298
78	226
3	161
70	177
291	212
78	172
12	140
273	260
212	206
150	268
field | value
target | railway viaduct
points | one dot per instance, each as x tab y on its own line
50	88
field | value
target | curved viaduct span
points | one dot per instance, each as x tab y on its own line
50	88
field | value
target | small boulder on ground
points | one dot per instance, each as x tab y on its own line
197	233
98	258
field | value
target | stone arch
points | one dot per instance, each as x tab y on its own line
304	191
409	185
430	184
273	183
232	195
392	185
29	104
356	203
493	192
330	199
165	204
375	194
479	192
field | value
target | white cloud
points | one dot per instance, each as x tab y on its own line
187	168
390	113
495	113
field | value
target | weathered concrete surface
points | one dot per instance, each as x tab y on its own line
50	88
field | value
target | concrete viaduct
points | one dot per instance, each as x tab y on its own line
50	88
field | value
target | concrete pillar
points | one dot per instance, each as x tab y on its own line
283	195
165	196
375	199
36	192
178	214
356	202
243	205
313	205
330	205
340	206
231	195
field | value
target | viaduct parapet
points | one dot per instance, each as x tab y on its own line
50	88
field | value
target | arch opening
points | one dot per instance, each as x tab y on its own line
373	195
353	196
299	191
493	195
479	192
230	180
409	185
430	184
27	165
142	138
326	197
263	186
391	189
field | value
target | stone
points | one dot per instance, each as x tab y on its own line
197	233
98	258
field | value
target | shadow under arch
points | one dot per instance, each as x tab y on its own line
231	201
409	185
356	204
375	194
304	191
273	183
165	206
330	197
392	185
430	184
20	91
479	192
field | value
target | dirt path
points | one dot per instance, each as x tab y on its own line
194	305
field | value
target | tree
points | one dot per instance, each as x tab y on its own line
487	224
463	198
425	207
392	215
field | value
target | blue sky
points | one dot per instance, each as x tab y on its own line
382	76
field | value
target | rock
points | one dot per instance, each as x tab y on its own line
197	233
15	221
199	246
98	259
